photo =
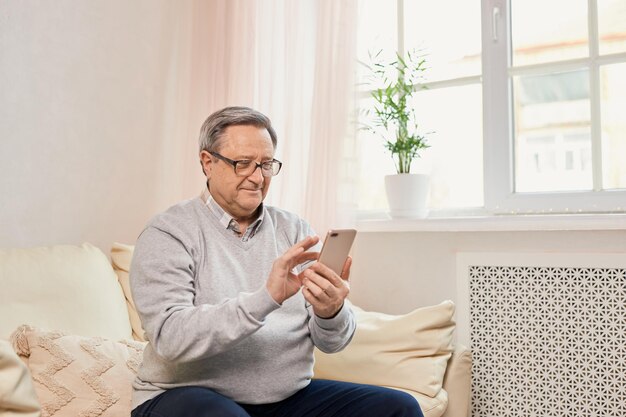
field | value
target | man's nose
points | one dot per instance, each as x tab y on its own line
256	176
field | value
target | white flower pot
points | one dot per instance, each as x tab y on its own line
407	195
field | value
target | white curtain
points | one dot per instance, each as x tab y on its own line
102	102
292	60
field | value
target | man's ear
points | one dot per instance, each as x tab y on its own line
205	162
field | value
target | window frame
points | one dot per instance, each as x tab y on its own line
498	129
499	196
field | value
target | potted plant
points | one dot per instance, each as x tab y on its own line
393	118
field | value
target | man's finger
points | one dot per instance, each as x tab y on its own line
308	242
315	289
327	273
311	278
300	247
311	298
306	257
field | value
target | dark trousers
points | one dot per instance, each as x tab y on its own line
321	398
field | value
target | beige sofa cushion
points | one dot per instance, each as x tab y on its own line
408	352
17	395
121	255
64	287
79	376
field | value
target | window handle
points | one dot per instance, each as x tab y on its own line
494	23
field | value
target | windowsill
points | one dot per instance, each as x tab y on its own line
497	223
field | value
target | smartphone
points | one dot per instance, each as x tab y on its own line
336	248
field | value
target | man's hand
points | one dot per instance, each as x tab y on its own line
326	290
282	282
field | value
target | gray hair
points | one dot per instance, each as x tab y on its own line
214	126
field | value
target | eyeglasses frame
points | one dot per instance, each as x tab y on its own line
234	163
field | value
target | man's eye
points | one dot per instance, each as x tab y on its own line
244	164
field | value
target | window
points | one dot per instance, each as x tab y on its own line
555	143
525	99
450	106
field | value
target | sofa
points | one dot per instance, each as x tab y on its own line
71	340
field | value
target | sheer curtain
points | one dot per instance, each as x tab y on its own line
293	61
119	90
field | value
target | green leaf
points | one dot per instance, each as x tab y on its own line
392	110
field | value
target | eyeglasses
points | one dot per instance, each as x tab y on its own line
245	167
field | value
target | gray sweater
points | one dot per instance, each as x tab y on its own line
200	292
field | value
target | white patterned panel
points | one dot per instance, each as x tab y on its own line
547	340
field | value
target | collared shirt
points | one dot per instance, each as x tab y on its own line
228	221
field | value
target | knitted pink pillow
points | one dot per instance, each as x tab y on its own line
79	376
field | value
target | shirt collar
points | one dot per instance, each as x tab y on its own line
227	220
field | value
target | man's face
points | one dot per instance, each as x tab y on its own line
240	196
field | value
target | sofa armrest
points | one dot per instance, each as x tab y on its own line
457	382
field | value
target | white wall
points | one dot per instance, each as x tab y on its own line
84	114
397	272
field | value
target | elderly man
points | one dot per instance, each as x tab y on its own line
230	312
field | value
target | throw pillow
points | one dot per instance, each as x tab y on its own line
121	256
65	287
77	375
408	352
17	396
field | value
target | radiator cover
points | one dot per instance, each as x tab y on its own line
546	340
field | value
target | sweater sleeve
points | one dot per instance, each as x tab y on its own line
162	285
333	334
